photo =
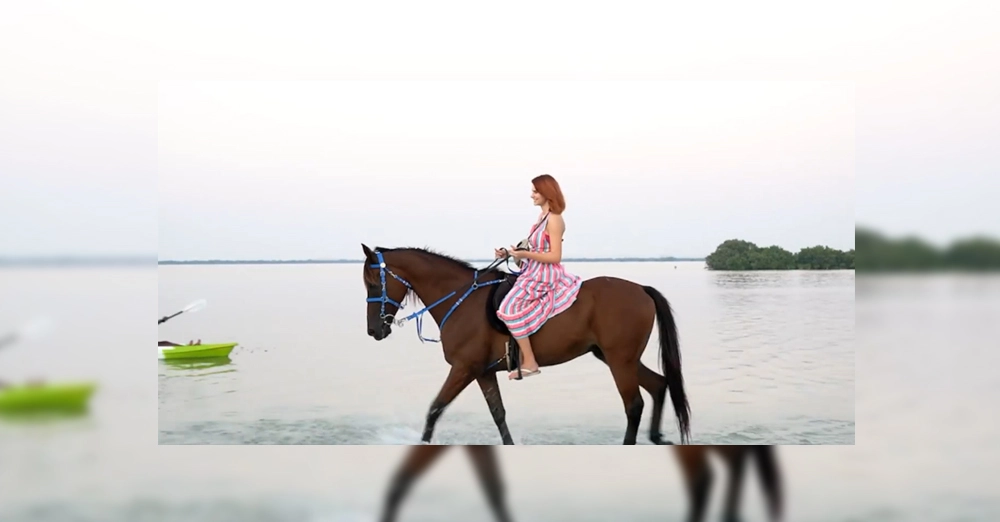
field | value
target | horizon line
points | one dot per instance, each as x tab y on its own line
136	259
76	260
357	261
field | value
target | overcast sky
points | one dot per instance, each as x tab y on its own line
274	170
284	170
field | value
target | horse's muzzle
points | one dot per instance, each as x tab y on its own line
380	332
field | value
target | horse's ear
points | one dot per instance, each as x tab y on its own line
368	252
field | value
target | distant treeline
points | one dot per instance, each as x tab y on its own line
876	253
881	254
736	254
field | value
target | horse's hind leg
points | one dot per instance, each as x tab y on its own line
656	385
484	459
627	379
735	457
697	477
653	383
416	463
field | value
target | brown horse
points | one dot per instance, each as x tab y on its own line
694	462
612	319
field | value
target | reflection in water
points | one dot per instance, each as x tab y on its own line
778	344
45	416
780	279
198	364
693	460
738	280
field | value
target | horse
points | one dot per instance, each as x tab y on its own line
612	319
694	462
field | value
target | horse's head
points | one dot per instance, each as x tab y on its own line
386	291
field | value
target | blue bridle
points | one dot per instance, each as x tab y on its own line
390	319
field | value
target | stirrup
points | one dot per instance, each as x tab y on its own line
513	356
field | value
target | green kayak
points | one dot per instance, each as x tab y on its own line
196	351
46	397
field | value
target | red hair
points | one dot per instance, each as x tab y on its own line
548	187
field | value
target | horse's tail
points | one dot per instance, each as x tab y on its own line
670	361
770	478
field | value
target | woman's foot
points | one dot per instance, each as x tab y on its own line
525	372
529	366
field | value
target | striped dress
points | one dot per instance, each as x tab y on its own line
542	291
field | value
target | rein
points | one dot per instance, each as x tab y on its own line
390	319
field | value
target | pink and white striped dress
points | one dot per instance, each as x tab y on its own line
542	291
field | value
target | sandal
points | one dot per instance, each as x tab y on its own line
524	373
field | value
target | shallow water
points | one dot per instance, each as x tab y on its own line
768	358
925	439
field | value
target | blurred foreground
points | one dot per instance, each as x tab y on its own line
878	253
693	462
927	354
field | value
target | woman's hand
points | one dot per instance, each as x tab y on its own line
518	254
499	253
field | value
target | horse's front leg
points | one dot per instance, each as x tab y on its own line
491	391
416	463
485	461
458	378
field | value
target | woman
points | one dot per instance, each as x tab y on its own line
544	289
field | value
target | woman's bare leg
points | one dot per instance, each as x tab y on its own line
528	362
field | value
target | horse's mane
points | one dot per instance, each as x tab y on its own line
458	263
411	296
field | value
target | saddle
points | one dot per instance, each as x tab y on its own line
497	294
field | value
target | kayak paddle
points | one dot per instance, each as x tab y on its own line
193	307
